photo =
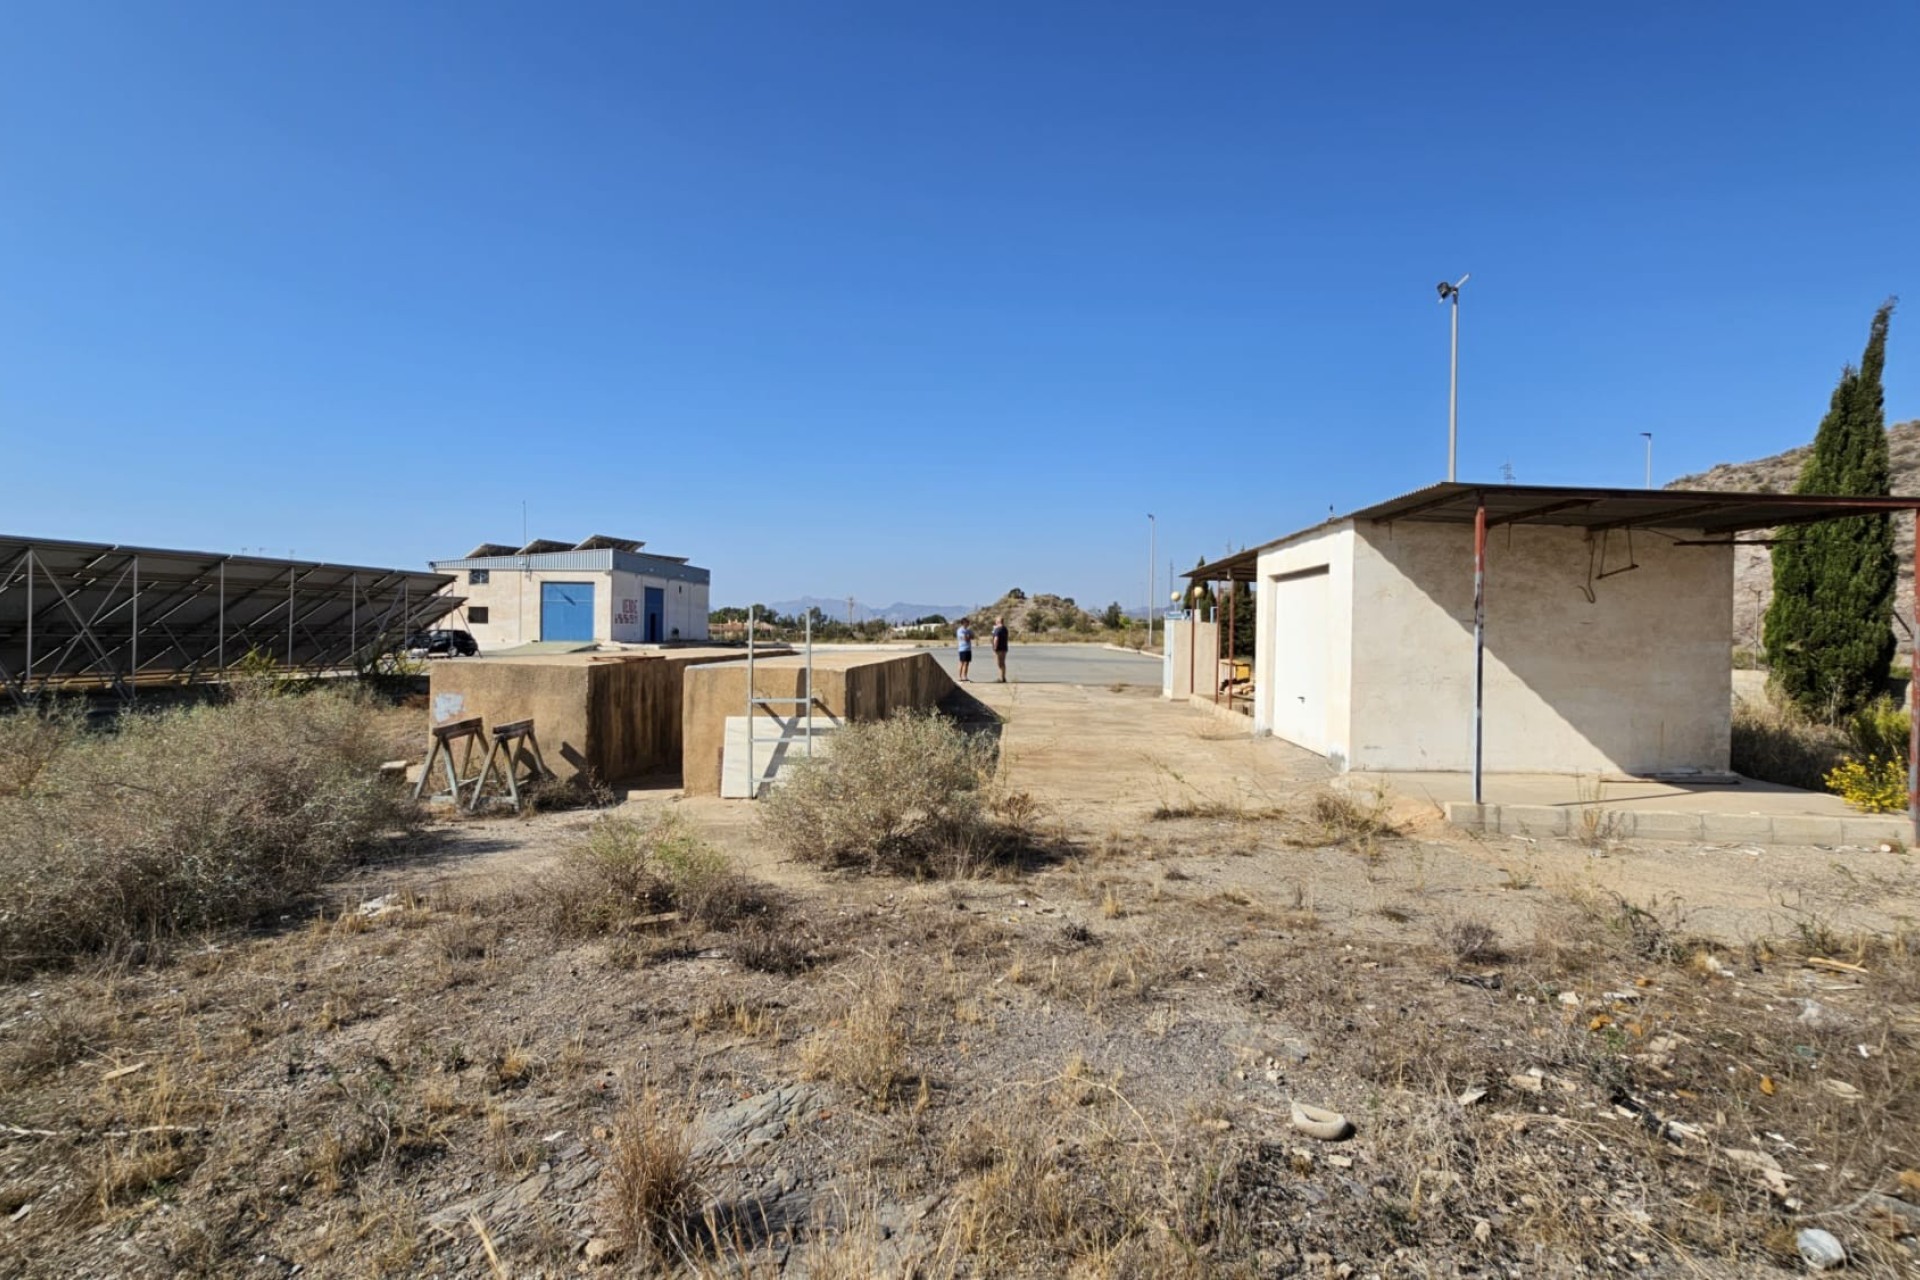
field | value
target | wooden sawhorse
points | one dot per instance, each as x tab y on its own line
513	745
458	780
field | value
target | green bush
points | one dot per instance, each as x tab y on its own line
183	819
906	794
1879	731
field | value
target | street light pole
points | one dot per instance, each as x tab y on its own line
1451	293
1153	553
1649	436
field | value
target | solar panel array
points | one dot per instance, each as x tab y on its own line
79	615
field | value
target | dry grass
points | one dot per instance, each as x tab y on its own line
1776	743
650	1182
624	874
865	1049
181	820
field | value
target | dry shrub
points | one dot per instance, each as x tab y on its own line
768	948
183	819
1470	940
1344	817
622	870
905	794
650	1181
1778	743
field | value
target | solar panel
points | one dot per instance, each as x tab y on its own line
87	615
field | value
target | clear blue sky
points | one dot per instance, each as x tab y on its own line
917	301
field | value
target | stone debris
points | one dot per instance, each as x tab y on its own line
1819	1249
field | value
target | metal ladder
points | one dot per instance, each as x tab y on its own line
795	726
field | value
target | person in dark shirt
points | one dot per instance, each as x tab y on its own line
1000	646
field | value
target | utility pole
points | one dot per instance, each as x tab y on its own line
1153	553
1451	293
849	611
1649	436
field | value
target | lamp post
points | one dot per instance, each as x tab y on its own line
1649	437
1153	552
1451	293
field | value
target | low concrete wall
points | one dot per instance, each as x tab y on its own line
847	687
614	716
1602	823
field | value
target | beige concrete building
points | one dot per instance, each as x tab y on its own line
1603	644
602	589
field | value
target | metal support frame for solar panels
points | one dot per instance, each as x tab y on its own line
110	625
755	786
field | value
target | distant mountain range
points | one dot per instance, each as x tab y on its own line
837	609
903	611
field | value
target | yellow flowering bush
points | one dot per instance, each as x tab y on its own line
1873	785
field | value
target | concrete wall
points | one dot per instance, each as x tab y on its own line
1307	663
617	716
1638	680
684	616
1192	665
849	686
512	600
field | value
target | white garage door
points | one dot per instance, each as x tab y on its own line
1299	685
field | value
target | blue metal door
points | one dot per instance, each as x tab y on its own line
656	614
566	611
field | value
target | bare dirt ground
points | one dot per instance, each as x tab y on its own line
1558	1059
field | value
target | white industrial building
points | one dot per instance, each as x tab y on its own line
1602	640
600	590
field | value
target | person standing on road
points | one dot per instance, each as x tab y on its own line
965	636
1000	646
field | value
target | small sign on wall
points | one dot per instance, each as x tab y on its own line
628	615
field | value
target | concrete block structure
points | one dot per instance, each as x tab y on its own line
598	591
1507	628
847	686
614	717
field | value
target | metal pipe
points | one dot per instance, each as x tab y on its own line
1479	638
809	684
1453	395
27	684
221	641
1233	650
291	578
753	613
133	657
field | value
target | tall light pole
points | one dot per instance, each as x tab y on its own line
1451	293
1649	436
1153	553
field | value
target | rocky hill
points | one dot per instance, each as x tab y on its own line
1032	615
1753	566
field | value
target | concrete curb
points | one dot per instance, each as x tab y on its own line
1601	823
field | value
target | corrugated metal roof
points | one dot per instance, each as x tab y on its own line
1712	515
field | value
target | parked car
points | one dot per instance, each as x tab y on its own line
441	644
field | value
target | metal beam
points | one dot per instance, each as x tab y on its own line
1535	513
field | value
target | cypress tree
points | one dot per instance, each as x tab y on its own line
1829	632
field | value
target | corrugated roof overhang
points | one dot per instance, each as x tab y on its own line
1712	515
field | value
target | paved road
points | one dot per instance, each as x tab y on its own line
1060	664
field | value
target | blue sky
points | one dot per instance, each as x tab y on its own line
917	301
